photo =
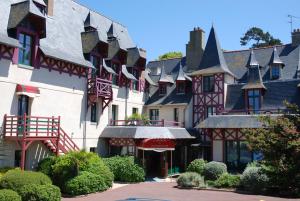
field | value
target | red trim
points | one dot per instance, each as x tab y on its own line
157	143
27	89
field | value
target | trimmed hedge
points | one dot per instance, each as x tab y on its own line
45	165
9	195
16	179
85	183
34	192
190	180
213	170
254	179
125	169
227	181
4	170
196	166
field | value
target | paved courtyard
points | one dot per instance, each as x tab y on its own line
152	191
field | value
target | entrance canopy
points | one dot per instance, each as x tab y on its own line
29	91
158	145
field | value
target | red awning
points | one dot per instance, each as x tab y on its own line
27	91
157	144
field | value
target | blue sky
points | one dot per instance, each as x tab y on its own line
160	26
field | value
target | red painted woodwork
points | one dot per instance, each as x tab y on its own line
28	89
157	143
121	142
201	99
6	52
226	134
28	129
100	88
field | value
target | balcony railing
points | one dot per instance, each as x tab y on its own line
154	123
100	87
253	112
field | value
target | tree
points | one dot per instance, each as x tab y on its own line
170	55
260	38
279	142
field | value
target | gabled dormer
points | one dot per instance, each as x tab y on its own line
182	81
276	65
164	81
254	88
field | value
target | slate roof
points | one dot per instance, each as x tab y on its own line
275	58
145	132
127	74
64	30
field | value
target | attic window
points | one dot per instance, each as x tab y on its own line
254	100
209	83
275	72
42	8
180	87
162	89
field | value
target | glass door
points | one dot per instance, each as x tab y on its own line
23	108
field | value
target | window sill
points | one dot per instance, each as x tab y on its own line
115	86
25	66
135	91
93	123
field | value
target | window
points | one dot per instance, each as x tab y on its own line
253	100
96	61
115	77
94	112
154	115
210	110
209	83
275	72
114	112
162	89
180	88
135	110
93	149
135	83
237	154
176	114
25	51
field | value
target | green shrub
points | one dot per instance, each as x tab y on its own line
227	181
125	169
35	192
4	170
254	179
45	165
196	166
213	170
16	179
190	179
85	183
9	195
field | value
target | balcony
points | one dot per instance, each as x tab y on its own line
253	112
151	123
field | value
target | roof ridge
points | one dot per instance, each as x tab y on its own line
97	12
259	48
166	59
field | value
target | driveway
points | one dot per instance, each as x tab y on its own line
152	191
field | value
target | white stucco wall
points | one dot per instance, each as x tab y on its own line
218	150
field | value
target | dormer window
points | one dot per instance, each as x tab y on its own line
26	49
162	89
135	83
115	77
254	100
209	83
97	62
275	72
180	87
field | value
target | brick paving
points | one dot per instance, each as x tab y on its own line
151	191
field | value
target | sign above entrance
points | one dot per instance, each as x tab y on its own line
157	144
29	91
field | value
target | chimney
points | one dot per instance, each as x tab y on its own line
195	48
50	7
296	37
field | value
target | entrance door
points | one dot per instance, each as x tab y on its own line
23	108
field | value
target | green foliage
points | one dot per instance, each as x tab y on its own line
16	179
213	170
254	179
125	169
279	142
190	180
4	170
170	55
260	38
9	195
45	165
227	181
138	119
85	183
34	192
197	166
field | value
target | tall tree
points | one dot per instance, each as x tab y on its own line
259	38
170	55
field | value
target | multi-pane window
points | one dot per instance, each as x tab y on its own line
210	110
176	114
275	72
96	61
237	154
115	77
154	115
25	50
135	83
254	100
135	110
114	113
162	89
209	83
180	88
94	112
